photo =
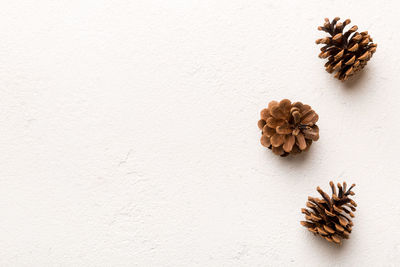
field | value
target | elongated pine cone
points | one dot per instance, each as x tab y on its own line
347	52
288	128
329	217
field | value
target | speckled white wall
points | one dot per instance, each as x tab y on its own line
129	133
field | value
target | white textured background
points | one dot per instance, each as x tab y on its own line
128	133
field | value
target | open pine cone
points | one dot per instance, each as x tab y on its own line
347	52
328	217
288	128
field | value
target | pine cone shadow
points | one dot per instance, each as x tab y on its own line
356	82
328	247
293	161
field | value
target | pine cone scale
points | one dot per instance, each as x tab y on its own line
284	129
289	143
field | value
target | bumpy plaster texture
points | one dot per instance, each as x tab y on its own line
128	133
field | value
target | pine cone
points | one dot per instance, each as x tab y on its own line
346	54
325	217
288	128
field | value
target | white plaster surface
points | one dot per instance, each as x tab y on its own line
128	133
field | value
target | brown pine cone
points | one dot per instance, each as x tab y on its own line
288	128
327	217
347	52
